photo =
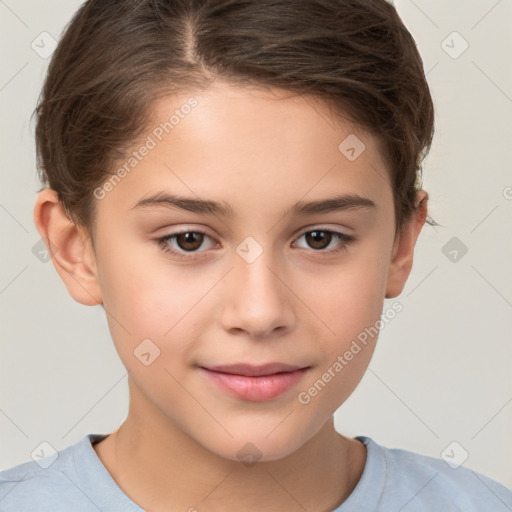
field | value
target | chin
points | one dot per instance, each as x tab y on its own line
255	446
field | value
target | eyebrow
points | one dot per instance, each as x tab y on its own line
340	202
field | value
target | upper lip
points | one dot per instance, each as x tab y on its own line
250	370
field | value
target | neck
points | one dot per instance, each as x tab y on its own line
160	467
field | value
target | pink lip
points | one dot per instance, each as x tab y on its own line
255	383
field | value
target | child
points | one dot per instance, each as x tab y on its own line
256	127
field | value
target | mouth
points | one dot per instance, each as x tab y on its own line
255	383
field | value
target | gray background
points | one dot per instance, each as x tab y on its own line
441	371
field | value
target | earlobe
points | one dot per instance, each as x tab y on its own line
70	248
403	248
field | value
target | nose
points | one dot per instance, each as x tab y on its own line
257	300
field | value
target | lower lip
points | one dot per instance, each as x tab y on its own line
256	389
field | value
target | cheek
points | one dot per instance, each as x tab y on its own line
349	304
151	298
350	299
137	296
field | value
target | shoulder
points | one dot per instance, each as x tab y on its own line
420	482
34	485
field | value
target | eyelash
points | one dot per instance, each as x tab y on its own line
345	240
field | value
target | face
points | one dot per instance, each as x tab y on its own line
255	281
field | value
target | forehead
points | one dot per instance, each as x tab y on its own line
254	117
263	149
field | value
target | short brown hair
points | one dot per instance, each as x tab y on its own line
116	58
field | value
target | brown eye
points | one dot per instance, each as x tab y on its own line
189	241
318	239
185	244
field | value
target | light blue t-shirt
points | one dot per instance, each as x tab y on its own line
393	480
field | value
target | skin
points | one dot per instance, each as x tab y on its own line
260	151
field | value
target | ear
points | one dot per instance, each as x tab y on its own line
403	248
70	248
